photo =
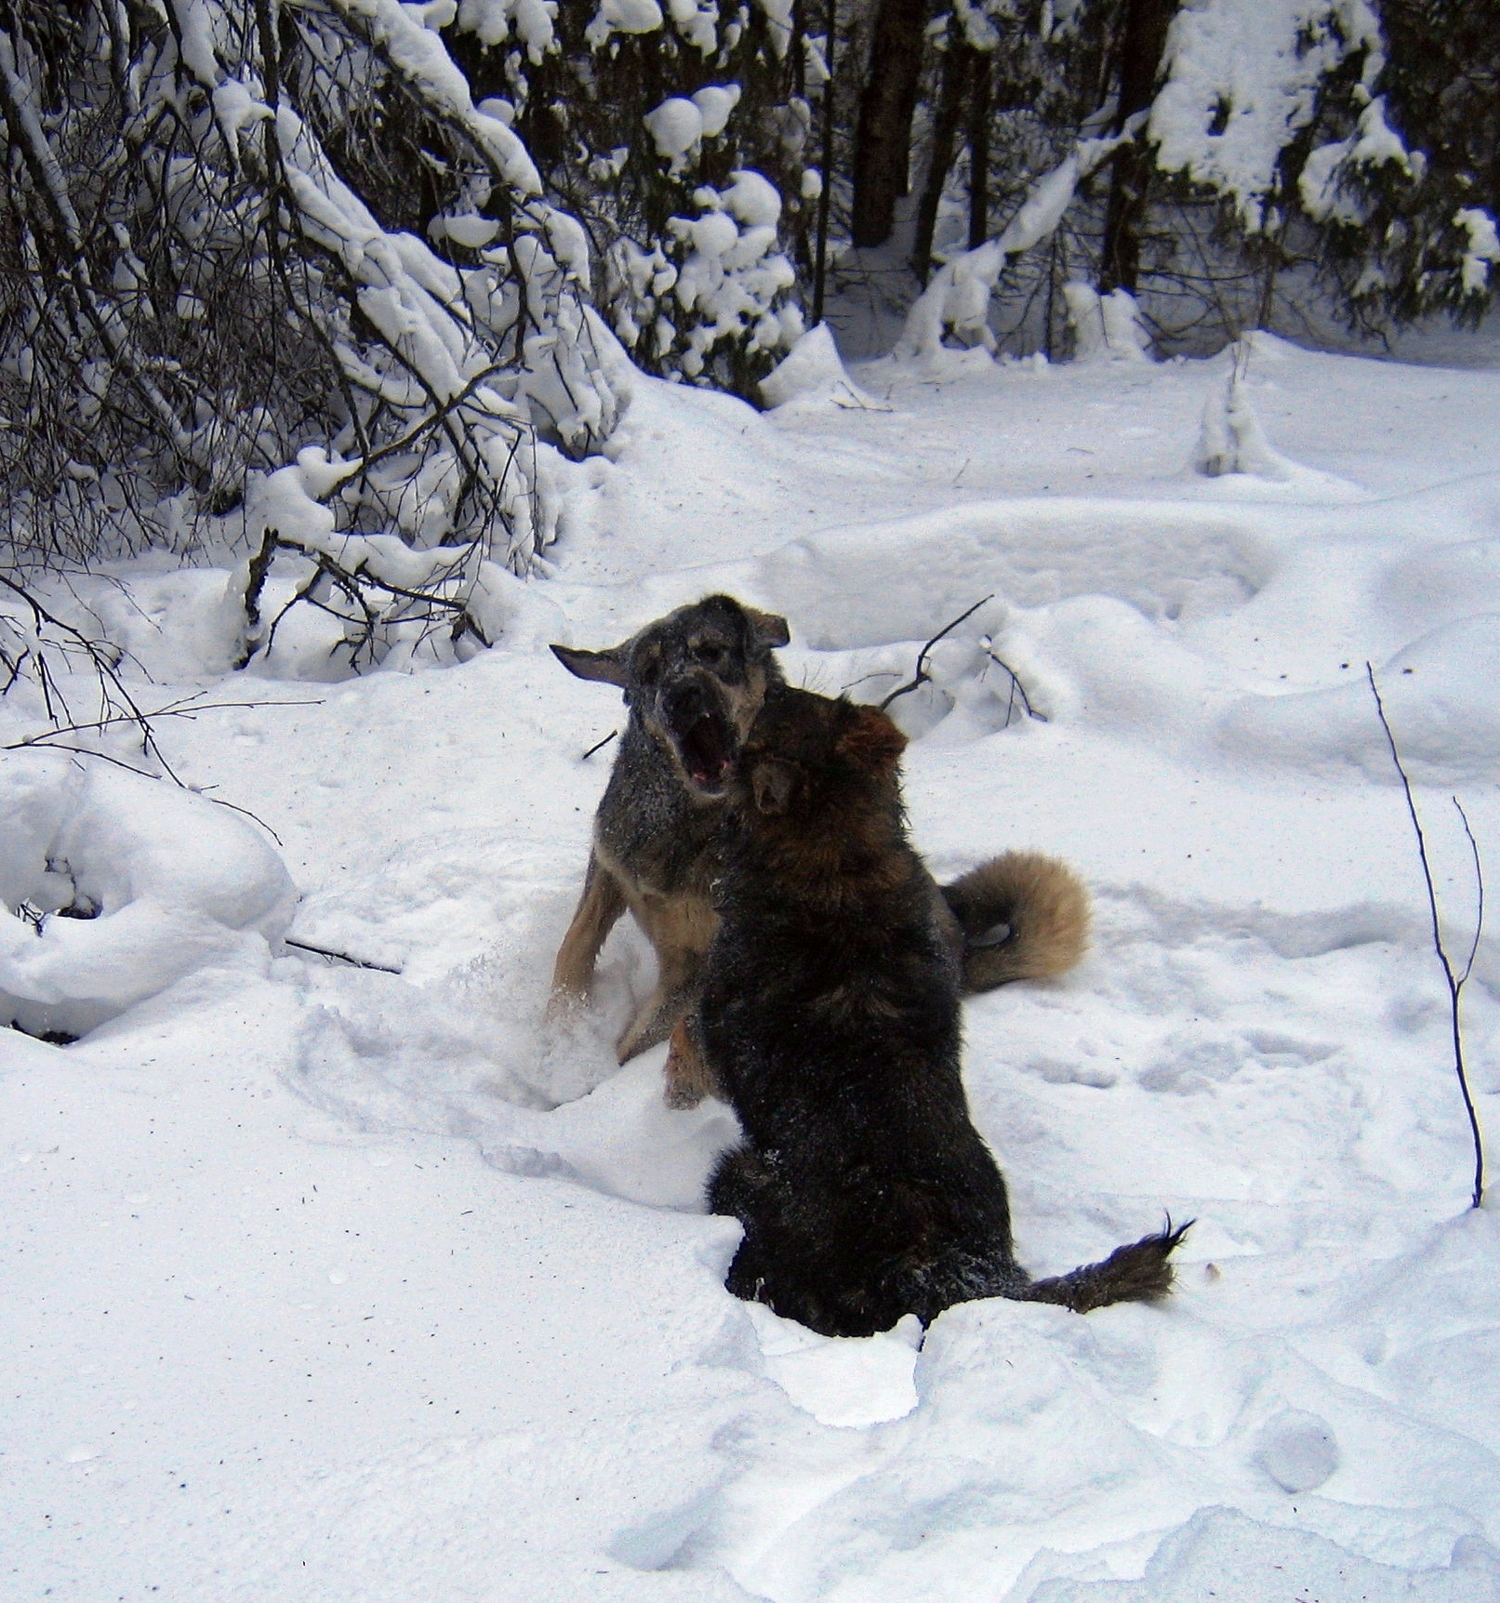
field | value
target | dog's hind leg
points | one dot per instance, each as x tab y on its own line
599	906
689	1078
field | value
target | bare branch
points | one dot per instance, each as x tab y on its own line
921	676
1455	981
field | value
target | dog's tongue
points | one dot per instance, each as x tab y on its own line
707	752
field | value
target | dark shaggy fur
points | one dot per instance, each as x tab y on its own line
694	682
829	1016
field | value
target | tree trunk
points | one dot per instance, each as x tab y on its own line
883	139
958	68
981	102
825	195
1140	59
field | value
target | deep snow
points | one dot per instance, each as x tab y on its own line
323	1283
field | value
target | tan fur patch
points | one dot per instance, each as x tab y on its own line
1046	906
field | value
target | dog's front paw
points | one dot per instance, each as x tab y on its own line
564	1003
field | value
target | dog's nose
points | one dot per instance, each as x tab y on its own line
685	702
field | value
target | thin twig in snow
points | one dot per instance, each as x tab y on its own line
921	676
1016	688
1455	980
339	957
187	708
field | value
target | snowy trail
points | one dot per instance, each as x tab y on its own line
490	1356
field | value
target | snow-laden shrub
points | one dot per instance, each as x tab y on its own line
114	886
717	288
211	261
653	123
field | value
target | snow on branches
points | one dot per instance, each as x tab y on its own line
958	298
664	126
1243	77
210	278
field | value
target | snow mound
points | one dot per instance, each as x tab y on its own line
116	886
1441	700
1224	1555
848	1381
813	375
388	1057
1162	560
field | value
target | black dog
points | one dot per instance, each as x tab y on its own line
829	1016
694	682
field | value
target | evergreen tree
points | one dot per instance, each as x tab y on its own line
1411	194
680	141
1360	143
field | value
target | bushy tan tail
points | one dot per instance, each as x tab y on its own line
1045	910
1140	1272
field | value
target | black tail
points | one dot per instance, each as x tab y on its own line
1137	1273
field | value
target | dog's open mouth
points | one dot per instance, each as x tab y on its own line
706	748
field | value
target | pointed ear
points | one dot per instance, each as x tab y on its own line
609	667
872	742
773	783
766	629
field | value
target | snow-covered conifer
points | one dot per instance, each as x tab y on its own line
677	133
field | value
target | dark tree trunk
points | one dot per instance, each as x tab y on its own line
883	140
1140	59
981	109
958	69
825	195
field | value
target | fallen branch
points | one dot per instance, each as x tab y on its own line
921	676
339	957
376	605
1456	980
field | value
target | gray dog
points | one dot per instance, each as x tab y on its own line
694	682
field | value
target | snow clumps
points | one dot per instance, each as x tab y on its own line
678	126
1105	327
1243	79
1484	248
1323	187
728	279
116	885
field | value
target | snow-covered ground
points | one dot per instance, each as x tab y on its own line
322	1282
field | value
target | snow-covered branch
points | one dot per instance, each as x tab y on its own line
216	296
958	298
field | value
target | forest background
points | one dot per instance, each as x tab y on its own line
275	275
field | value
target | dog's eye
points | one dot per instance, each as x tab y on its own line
708	652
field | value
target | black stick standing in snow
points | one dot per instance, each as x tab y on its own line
1456	981
921	676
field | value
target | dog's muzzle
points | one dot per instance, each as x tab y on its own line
702	734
